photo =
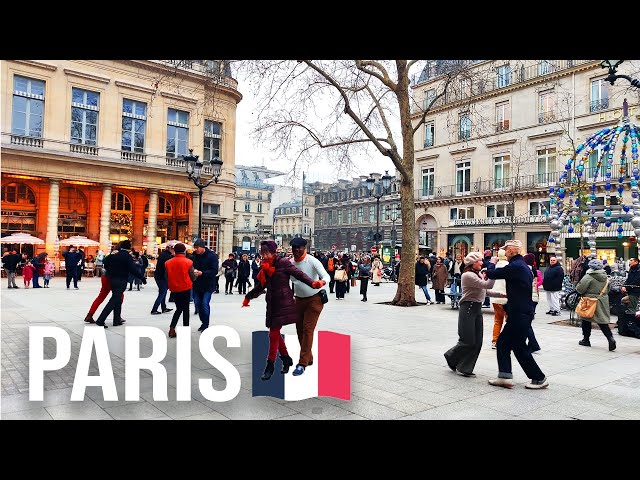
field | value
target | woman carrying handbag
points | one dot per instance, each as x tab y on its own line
594	286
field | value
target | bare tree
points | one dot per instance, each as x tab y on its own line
330	109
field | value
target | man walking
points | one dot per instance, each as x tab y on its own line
308	302
552	284
230	272
520	311
10	262
205	265
118	267
161	281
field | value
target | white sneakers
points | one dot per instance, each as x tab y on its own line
501	382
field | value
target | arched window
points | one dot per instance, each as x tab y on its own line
72	199
164	206
120	202
18	193
183	206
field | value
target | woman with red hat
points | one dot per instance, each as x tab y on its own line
273	277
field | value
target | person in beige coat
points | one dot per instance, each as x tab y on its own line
439	276
500	287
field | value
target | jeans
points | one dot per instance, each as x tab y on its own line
201	302
425	289
163	286
35	279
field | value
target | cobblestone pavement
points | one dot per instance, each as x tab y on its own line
397	365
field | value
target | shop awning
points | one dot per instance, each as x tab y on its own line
603	231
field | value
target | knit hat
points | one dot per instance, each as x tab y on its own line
199	243
487	253
179	248
529	259
472	258
269	245
595	264
513	243
502	255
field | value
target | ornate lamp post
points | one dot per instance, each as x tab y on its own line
386	183
393	214
612	66
193	167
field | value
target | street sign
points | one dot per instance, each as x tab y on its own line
353	248
373	249
333	247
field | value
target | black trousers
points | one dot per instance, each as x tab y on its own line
182	307
242	285
228	287
72	273
586	329
332	282
364	284
118	286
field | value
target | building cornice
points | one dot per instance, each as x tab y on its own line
33	63
598	124
428	157
178	97
462	150
87	76
132	86
553	133
501	143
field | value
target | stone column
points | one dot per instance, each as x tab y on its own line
152	221
52	216
195	212
105	219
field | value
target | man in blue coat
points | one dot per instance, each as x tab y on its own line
205	264
520	311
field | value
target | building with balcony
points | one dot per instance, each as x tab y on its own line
251	207
497	140
94	148
345	214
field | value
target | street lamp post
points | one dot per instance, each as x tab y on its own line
612	66
194	166
393	214
386	183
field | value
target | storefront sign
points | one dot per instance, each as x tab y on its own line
499	221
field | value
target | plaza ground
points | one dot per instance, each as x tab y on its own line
397	366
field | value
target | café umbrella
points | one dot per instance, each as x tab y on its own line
22	238
172	243
79	241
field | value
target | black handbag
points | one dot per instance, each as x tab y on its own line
323	295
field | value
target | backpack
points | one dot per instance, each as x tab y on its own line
330	265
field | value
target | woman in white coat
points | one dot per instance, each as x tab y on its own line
376	271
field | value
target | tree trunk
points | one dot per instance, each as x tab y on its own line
406	293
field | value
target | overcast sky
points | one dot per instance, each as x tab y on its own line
249	154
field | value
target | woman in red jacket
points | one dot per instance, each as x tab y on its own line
281	307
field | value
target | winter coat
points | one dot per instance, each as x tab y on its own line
376	271
281	306
162	259
364	270
421	274
27	272
49	268
244	270
255	268
553	277
500	286
439	276
633	278
207	263
590	286
519	279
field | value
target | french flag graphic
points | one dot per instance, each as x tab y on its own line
329	376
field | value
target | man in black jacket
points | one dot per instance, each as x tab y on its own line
161	281
10	262
632	285
205	264
520	311
118	266
552	284
71	259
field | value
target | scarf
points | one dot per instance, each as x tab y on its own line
266	268
301	258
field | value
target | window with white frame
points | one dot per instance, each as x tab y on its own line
360	215
177	133
546	107
429	95
545	67
461	213
247	194
349	216
538	207
339	217
504	76
28	106
502	116
372	214
500	210
463	177
259	195
595	155
306	212
599	95
546	164
306	228
84	116
212	136
429	134
465	126
428	179
247	206
134	124
259	208
210	209
501	168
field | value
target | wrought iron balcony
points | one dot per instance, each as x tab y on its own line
546	117
597	105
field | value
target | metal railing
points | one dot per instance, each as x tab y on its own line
495	81
546	117
523	182
502	126
597	105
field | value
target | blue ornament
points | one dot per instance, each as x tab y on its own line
607	213
620	220
550	240
619	235
570	230
620	230
625	208
607	223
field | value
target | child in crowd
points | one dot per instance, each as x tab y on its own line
27	274
49	269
